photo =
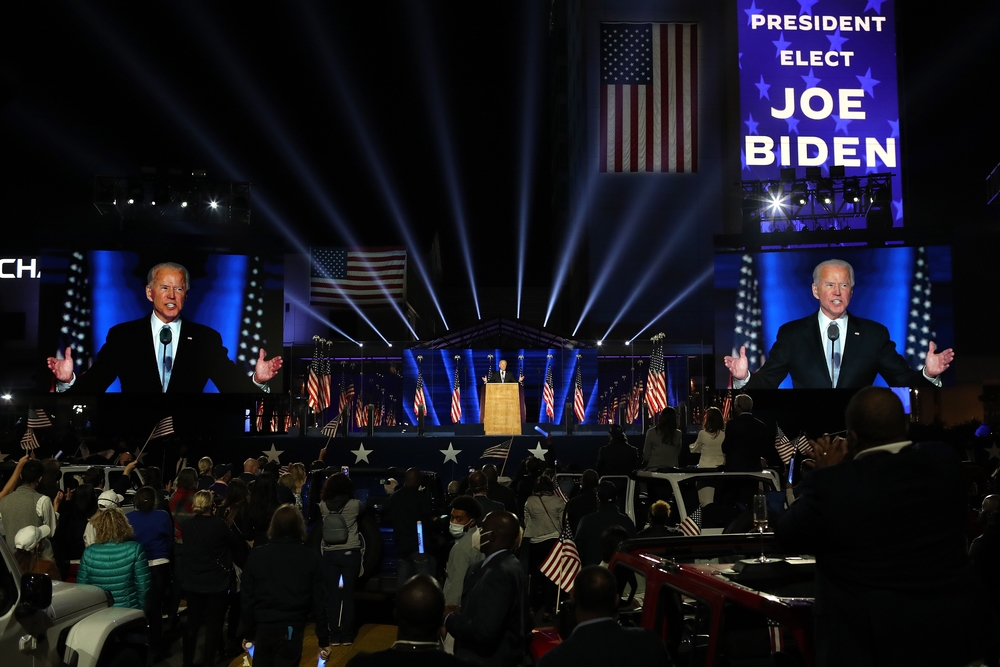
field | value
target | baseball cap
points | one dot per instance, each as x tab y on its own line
110	499
28	537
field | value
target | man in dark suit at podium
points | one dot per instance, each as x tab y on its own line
163	353
833	349
503	376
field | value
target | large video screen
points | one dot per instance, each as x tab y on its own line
906	290
96	303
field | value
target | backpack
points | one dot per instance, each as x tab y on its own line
334	526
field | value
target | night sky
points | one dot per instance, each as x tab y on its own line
271	93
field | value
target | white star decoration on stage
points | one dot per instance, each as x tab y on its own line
361	454
272	454
538	452
994	452
450	454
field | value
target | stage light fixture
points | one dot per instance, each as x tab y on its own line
6	397
800	193
131	201
824	190
852	190
213	204
599	343
184	204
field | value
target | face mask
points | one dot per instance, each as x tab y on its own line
477	539
456	530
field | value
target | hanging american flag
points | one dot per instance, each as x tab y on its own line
456	398
563	562
548	393
419	400
313	386
727	403
919	329
784	446
747	329
260	416
501	451
691	525
648	97
348	400
656	383
38	419
368	276
614	407
579	408
390	418
30	441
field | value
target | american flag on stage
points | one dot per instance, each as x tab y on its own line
563	562
38	419
919	331
313	383
548	393
501	451
260	416
784	446
579	408
347	399
727	403
634	403
649	97
29	441
360	414
324	383
343	400
419	400
369	276
656	383
691	525
456	400
747	330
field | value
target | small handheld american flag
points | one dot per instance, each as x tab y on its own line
691	525
501	451
563	562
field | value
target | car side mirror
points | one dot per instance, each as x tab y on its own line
36	593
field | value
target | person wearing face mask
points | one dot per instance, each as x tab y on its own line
489	627
465	516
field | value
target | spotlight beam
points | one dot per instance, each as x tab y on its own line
445	145
623	236
147	78
573	233
527	142
706	274
283	141
308	311
346	100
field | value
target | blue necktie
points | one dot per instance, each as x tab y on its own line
166	356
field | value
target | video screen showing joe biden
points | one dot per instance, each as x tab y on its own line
842	318
160	321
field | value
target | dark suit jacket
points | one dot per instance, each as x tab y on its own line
407	658
490	629
129	356
579	507
509	376
893	583
504	495
488	505
591	527
616	459
748	439
609	645
868	351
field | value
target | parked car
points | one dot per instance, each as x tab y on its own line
56	624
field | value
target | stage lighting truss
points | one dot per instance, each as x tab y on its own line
176	196
815	202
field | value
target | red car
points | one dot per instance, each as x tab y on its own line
712	603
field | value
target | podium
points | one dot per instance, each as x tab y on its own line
502	411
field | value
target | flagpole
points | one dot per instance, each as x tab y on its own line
504	466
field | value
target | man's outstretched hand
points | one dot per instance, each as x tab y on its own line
266	368
937	362
739	367
63	368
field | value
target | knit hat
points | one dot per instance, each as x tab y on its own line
28	537
110	499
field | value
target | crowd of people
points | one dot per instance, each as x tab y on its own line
272	549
